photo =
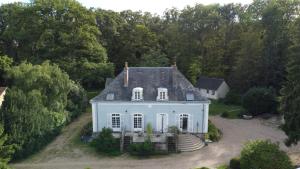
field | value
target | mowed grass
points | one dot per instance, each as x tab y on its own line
217	108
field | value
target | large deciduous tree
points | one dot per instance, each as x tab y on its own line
6	150
62	31
290	101
35	106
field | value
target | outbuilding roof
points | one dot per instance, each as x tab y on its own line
209	83
150	79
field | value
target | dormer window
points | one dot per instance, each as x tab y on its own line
110	96
190	97
162	94
137	94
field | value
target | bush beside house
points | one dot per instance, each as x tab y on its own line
106	143
214	134
142	149
260	100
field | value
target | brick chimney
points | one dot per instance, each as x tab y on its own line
126	75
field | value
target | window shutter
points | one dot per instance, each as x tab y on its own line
167	123
157	122
122	122
132	122
190	122
143	122
177	120
109	121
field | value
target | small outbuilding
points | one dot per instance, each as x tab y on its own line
212	88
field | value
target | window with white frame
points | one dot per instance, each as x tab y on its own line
137	121
137	94
190	97
162	94
115	121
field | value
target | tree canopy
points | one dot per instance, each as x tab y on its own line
49	49
36	105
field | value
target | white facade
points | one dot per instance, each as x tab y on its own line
216	94
189	117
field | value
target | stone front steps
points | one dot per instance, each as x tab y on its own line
188	142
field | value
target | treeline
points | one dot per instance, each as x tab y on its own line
245	44
248	45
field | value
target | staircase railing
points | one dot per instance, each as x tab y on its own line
176	141
122	139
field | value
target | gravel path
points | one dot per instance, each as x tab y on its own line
61	154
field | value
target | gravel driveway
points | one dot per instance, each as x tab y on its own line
235	133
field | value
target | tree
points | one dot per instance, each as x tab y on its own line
62	31
6	150
5	63
35	105
154	59
290	101
259	100
265	155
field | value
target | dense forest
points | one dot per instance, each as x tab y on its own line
49	49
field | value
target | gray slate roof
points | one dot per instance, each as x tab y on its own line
151	78
209	83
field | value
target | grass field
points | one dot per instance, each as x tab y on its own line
217	108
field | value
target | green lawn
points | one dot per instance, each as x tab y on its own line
217	108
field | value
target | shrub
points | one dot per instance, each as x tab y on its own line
235	163
233	97
214	134
142	149
260	100
173	129
106	143
77	101
149	130
202	168
87	130
225	114
265	155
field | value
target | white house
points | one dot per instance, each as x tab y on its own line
212	88
159	96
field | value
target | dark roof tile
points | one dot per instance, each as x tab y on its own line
151	78
209	83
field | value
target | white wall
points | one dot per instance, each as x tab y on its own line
209	94
219	93
198	114
223	90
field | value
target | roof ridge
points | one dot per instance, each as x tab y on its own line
212	77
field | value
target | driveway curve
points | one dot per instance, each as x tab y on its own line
61	154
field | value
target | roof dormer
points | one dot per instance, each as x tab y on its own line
162	94
137	94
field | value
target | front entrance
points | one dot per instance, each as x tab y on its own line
162	122
184	118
